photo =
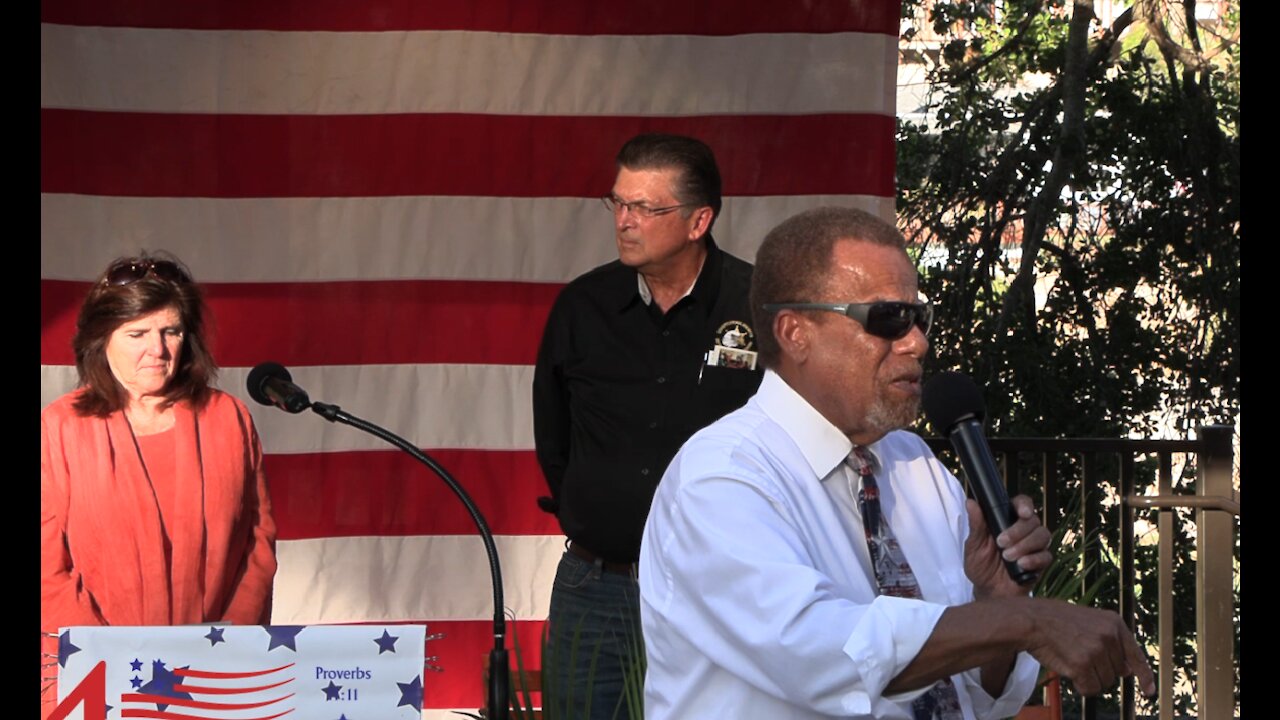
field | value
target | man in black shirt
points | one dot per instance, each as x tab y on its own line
637	355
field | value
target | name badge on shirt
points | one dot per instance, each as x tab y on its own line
732	348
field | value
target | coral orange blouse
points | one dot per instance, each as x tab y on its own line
103	538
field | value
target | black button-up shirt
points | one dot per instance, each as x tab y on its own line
619	386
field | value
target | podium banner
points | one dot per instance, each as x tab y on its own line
212	672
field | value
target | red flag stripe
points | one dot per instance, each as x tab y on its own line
464	646
330	494
139	154
567	17
345	323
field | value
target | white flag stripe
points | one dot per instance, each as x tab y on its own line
262	72
55	381
438	577
549	240
479	407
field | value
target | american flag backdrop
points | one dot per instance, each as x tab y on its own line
385	196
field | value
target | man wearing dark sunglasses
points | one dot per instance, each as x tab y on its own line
806	558
637	355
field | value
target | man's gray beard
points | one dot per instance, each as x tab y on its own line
885	416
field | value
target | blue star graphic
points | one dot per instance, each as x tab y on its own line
215	636
65	648
386	643
136	665
283	636
162	682
411	693
331	692
342	716
136	682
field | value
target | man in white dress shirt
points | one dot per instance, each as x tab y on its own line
759	594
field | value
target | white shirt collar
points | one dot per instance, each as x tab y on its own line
645	295
823	445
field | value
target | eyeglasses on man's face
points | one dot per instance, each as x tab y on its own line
639	209
888	320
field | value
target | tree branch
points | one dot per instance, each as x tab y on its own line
964	73
1153	18
1020	296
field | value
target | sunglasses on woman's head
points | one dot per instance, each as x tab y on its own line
131	271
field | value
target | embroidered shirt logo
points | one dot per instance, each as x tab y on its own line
735	335
732	349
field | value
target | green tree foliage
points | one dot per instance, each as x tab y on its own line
1097	167
1074	203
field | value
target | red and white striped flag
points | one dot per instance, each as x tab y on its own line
386	196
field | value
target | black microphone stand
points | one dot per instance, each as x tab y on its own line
499	690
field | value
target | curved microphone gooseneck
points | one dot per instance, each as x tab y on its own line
271	384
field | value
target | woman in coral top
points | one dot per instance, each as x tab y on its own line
153	505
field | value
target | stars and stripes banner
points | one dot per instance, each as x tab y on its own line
386	197
249	672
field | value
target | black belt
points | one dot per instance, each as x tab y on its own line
607	565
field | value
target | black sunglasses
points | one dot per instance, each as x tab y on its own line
131	271
888	320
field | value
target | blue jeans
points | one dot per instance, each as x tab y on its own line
593	643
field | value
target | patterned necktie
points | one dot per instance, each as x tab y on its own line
894	576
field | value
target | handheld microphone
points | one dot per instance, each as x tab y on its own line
953	404
271	384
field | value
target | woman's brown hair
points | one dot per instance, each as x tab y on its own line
130	288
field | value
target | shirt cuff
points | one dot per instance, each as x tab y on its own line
885	640
1017	689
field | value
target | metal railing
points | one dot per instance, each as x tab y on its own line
1107	469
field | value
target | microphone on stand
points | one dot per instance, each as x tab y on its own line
953	404
271	384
